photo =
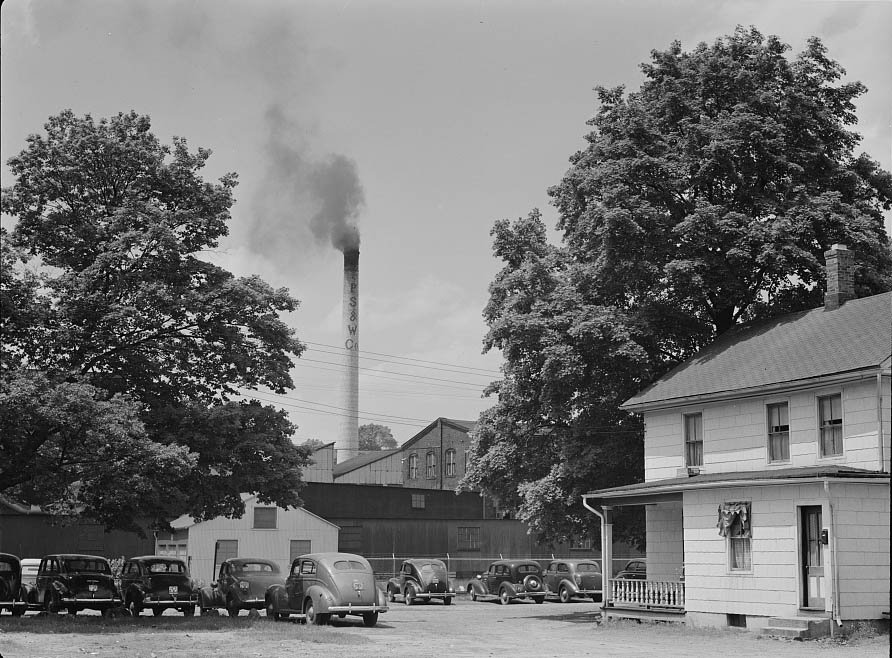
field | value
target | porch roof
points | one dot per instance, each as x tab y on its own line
673	486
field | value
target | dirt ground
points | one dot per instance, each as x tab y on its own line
463	630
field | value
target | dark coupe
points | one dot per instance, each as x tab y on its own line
507	580
157	583
421	579
76	582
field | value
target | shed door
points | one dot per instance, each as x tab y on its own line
812	559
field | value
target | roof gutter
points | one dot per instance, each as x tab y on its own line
606	556
754	391
718	484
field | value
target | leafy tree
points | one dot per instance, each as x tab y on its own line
701	201
124	334
375	437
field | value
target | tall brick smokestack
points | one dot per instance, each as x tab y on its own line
347	443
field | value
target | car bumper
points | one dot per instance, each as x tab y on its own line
250	603
169	601
89	603
13	605
528	595
356	609
434	595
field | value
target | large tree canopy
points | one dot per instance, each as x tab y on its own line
703	200
121	346
375	437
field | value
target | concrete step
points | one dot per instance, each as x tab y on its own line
799	628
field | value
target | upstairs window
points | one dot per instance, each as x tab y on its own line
430	465
693	439
450	463
830	425
413	466
778	432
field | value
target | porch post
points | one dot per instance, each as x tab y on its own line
606	557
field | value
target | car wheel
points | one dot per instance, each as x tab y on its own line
472	593
157	611
539	599
232	608
409	595
254	613
135	606
18	612
564	594
504	597
369	619
447	600
313	617
189	611
52	603
106	612
391	595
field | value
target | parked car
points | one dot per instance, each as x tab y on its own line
634	570
240	585
76	582
421	579
507	580
157	583
324	584
572	578
13	596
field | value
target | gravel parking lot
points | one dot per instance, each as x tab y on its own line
463	630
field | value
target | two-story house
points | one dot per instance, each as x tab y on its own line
767	474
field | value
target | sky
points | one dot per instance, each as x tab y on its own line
434	119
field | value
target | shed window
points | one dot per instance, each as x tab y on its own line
778	432
830	415
264	517
413	466
417	501
735	524
693	439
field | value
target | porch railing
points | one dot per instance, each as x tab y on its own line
647	593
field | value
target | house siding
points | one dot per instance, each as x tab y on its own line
735	432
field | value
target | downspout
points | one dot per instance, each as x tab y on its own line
605	565
880	456
834	568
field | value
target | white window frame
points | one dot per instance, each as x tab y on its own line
450	463
821	426
769	433
430	465
413	466
684	431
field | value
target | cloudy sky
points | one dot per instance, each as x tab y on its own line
435	117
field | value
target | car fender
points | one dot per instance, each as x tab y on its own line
381	598
321	596
478	587
395	585
512	590
571	586
208	597
277	597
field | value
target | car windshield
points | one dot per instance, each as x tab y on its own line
87	565
528	568
166	567
255	567
349	565
588	567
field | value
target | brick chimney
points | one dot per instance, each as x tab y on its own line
840	263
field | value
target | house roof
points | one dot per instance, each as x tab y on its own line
461	425
785	350
738	478
186	521
359	461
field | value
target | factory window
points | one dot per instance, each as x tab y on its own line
450	463
413	466
468	538
417	501
830	414
778	432
693	439
430	463
265	517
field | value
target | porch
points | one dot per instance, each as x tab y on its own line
645	599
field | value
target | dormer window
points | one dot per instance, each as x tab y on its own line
693	439
830	425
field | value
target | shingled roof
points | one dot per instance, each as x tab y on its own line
785	350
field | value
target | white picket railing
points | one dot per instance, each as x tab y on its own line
647	593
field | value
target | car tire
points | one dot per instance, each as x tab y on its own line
409	595
369	619
391	595
52	603
19	611
564	594
313	617
504	597
134	605
72	610
232	608
472	593
105	612
447	600
539	599
157	611
189	611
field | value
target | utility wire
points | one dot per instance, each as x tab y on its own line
408	358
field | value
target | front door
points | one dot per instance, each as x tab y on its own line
812	559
